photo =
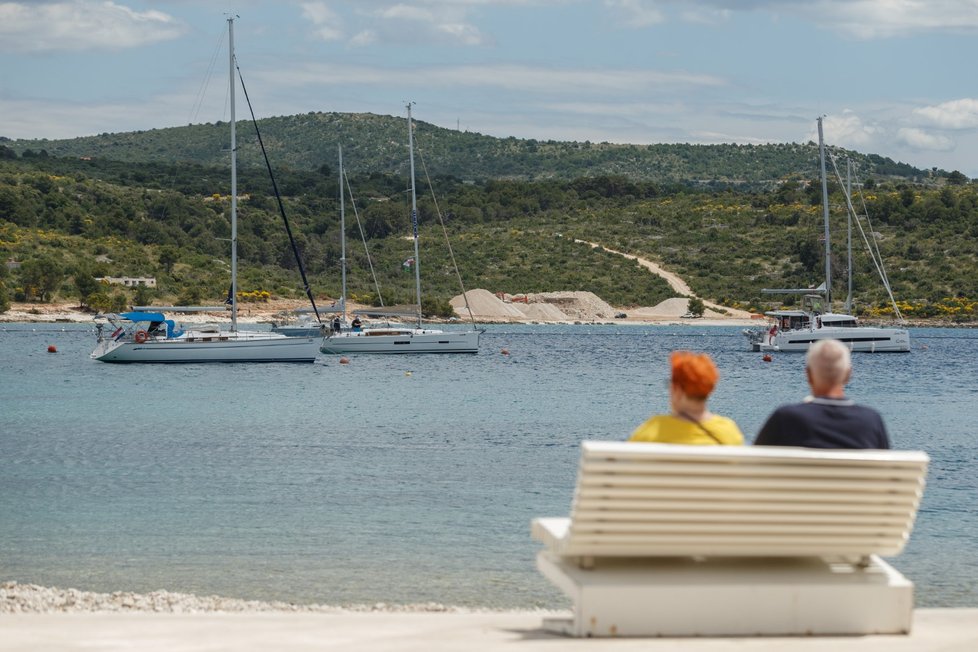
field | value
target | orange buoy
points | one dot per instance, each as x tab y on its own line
52	348
505	352
344	360
767	357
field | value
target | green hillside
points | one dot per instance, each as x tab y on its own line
67	219
378	144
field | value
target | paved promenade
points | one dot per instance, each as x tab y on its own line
944	630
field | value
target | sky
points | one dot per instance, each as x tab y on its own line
891	77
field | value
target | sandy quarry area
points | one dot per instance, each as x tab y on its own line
581	307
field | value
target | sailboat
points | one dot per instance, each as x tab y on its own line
144	336
797	330
399	338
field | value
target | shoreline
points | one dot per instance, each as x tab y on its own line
67	312
20	598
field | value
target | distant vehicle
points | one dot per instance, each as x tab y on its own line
690	315
620	315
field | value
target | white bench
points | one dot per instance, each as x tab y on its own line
670	540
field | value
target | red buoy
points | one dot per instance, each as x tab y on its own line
344	360
52	348
767	357
505	352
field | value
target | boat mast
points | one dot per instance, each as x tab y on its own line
848	309
342	236
414	216
825	214
234	187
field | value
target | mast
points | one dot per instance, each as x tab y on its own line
342	236
848	309
234	186
414	216
825	214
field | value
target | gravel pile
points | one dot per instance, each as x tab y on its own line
30	598
486	306
542	312
580	306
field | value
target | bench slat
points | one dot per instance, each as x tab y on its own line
744	501
725	516
666	500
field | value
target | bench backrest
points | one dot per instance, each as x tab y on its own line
638	499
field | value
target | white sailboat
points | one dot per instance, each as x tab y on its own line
142	336
398	338
797	330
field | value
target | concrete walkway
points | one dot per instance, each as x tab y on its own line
944	630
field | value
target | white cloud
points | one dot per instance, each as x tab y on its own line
441	20
77	25
956	114
847	130
505	76
636	13
920	139
860	19
325	23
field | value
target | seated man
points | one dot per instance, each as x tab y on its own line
826	419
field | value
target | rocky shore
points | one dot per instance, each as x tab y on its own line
16	598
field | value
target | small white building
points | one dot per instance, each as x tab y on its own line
129	281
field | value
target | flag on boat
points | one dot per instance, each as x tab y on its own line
414	222
117	333
407	263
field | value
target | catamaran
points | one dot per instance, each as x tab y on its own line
144	336
797	330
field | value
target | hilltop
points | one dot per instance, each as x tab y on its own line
375	143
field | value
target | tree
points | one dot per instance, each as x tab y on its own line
168	257
41	278
4	294
696	306
956	179
85	284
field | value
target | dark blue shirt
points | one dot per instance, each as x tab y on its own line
824	423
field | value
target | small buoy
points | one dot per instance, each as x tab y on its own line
407	373
505	352
52	348
344	360
767	357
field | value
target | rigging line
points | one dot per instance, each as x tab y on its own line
363	236
451	253
879	256
278	198
878	263
869	223
205	82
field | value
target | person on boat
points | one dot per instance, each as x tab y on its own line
336	325
692	380
826	419
356	324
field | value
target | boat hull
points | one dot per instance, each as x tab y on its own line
403	341
224	347
861	339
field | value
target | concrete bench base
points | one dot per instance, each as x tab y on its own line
729	597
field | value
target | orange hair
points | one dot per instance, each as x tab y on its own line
693	373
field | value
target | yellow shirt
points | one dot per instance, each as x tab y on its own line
667	429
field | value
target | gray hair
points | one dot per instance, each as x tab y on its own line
829	361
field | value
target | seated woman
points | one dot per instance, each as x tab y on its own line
693	378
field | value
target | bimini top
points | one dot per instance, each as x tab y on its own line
143	316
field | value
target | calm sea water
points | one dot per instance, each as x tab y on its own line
401	479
